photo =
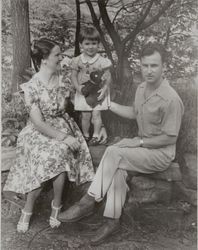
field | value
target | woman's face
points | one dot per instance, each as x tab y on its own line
54	59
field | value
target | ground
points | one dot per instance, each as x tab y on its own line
145	227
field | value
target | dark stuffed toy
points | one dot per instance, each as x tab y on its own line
91	88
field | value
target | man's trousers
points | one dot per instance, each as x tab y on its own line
110	177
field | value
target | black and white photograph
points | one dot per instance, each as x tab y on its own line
99	124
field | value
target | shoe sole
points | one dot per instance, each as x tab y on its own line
78	218
103	240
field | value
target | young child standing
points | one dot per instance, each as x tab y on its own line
88	61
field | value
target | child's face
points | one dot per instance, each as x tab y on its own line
90	47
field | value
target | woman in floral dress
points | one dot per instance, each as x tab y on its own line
51	145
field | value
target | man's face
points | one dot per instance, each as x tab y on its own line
152	68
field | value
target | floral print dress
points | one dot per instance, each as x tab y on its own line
39	157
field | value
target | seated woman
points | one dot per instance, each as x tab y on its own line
51	145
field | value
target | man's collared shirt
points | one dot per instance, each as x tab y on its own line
160	113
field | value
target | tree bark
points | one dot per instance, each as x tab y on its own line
78	16
21	40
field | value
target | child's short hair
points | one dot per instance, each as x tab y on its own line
152	47
90	33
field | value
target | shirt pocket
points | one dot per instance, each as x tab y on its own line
153	115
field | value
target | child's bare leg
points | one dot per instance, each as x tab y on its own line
86	117
97	122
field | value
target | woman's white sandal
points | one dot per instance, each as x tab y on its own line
53	220
22	226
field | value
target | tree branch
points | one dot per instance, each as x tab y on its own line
78	17
117	13
167	36
143	26
157	16
139	23
97	25
108	25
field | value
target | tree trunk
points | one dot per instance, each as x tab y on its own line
125	80
78	16
21	40
125	93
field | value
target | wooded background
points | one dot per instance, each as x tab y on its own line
124	26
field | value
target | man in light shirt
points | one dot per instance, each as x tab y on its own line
158	110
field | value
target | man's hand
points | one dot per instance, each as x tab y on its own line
80	88
72	142
102	92
129	143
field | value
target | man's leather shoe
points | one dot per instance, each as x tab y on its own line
76	212
111	227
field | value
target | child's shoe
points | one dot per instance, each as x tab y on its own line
94	141
53	220
23	224
87	138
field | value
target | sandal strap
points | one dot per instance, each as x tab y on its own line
26	213
54	222
57	209
23	226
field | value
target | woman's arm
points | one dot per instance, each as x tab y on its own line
43	127
123	111
46	129
74	80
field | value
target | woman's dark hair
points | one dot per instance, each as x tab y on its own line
41	49
90	33
152	47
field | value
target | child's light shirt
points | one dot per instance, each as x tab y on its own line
84	67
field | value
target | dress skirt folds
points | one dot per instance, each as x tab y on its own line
39	157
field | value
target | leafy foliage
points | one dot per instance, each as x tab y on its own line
14	118
52	19
175	29
56	19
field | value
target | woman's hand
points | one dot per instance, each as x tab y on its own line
72	142
102	92
61	136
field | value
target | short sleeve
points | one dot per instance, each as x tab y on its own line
31	96
75	63
106	63
172	118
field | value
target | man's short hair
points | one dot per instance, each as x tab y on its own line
152	47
